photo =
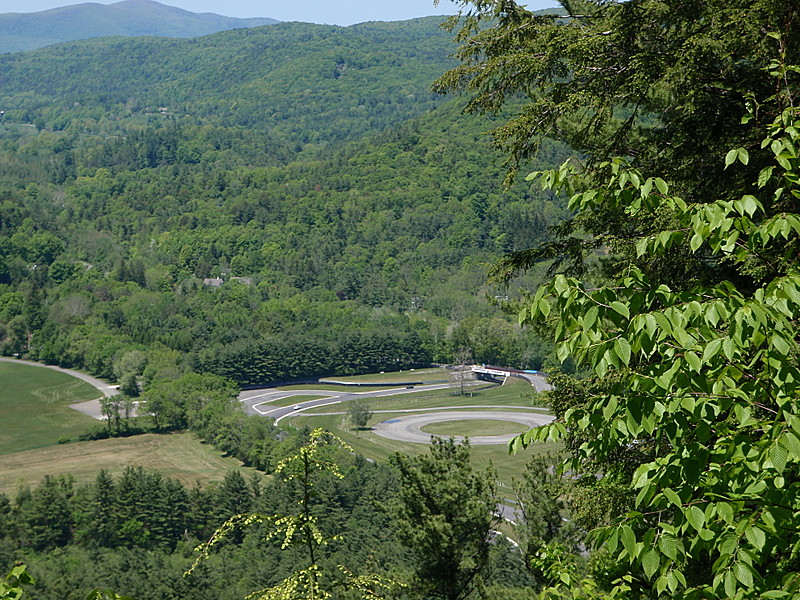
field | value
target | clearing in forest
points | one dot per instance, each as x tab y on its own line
34	407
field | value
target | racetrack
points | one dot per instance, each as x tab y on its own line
409	429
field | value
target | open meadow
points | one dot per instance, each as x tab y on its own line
34	407
35	415
179	455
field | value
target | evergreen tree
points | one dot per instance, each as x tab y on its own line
445	514
102	525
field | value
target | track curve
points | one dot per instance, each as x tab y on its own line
409	429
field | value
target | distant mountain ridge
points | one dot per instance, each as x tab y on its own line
28	31
311	84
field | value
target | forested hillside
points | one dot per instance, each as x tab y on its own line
185	217
351	214
305	83
135	533
682	433
211	243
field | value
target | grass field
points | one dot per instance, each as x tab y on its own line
472	428
35	414
34	407
289	400
179	455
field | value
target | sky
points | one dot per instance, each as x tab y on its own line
330	12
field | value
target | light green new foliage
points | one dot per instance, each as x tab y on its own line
11	587
708	377
301	528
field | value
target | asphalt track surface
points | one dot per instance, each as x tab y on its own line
257	402
409	429
404	428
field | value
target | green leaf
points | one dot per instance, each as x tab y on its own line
683	338
619	308
543	306
750	204
668	546
730	157
756	537
622	349
650	325
729	348
613	542
651	560
764	176
778	455
693	360
695	516
743	155
641	246
628	539
590	317
780	345
792	443
730	584
661	585
711	350
562	352
742	413
725	511
743	574
673	497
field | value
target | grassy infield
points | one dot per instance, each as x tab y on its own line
35	414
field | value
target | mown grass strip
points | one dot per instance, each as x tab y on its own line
34	407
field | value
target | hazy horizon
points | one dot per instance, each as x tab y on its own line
331	12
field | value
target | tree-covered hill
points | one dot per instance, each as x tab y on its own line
389	234
188	216
27	31
307	83
361	211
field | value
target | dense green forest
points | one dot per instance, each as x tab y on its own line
300	82
137	532
185	217
677	286
185	244
351	214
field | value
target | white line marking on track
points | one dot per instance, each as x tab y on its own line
302	409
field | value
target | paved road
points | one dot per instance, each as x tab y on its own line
256	402
404	428
538	382
409	429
